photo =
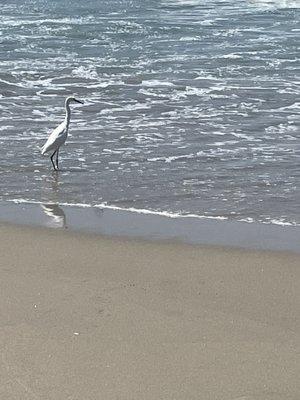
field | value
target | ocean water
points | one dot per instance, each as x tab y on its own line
191	106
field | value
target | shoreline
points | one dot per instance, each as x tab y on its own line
83	314
114	222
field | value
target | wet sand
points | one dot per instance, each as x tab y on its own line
90	317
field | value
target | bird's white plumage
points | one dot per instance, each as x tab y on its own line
57	138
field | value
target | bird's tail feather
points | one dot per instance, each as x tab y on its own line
43	149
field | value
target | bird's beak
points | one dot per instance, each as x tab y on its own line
79	101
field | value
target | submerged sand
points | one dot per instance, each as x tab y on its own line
90	317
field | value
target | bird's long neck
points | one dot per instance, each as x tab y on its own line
68	114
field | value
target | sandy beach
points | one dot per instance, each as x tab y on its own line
91	317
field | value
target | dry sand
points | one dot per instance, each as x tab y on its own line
87	317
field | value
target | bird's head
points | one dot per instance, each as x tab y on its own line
72	99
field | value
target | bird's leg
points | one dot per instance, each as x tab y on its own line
57	158
53	161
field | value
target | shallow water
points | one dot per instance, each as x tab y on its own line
191	106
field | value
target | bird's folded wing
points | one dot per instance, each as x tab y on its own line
54	138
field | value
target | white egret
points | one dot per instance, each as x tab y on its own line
60	134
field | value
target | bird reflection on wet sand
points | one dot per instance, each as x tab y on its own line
56	214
